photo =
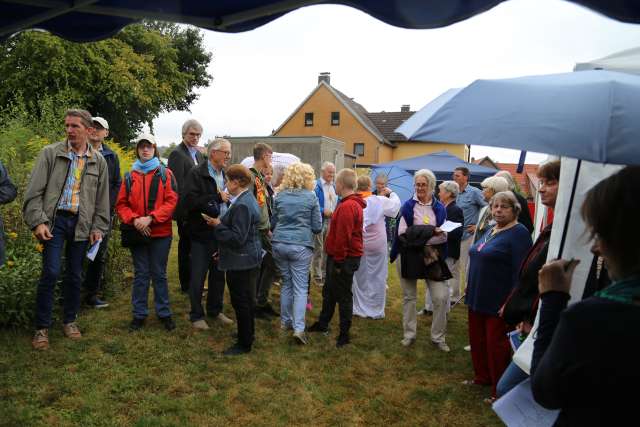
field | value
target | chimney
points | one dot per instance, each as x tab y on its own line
324	77
405	108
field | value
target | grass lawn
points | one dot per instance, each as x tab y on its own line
154	378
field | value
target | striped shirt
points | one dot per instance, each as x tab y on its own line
70	199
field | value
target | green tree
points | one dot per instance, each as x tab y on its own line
129	79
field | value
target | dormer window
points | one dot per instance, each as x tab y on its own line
308	119
335	118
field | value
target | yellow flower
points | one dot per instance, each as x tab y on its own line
10	263
39	247
12	235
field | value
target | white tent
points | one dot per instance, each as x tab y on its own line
627	61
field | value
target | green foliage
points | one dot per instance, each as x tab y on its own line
129	79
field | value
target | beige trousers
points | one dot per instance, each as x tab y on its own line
439	296
462	267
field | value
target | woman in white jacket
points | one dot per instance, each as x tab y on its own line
370	281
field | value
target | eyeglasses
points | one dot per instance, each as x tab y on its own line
226	153
421	184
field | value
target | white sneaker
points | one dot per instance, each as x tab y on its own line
224	319
442	346
406	342
200	325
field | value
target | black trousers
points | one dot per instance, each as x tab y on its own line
95	269
202	262
337	290
184	256
242	288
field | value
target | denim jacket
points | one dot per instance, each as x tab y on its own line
296	215
237	235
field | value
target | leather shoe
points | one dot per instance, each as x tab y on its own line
236	350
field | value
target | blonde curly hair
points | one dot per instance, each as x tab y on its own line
298	175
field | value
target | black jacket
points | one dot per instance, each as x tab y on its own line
200	196
525	216
113	166
180	163
454	214
412	243
585	361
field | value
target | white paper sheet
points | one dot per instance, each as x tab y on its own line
518	409
449	226
93	250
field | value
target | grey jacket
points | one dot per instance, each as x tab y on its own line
237	235
47	183
8	193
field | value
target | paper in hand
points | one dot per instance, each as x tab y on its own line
518	408
93	250
449	226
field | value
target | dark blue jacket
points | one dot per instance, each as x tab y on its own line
406	212
454	214
8	193
115	181
237	234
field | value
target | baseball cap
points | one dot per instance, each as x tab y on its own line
145	137
102	122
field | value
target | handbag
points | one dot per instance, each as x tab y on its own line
129	236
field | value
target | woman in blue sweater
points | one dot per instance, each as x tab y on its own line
495	260
296	216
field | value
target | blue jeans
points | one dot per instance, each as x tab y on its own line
63	232
150	264
511	377
294	262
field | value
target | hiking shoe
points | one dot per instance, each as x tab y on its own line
406	342
40	340
236	350
442	346
223	319
95	302
301	338
72	331
200	325
168	323
317	327
136	325
342	340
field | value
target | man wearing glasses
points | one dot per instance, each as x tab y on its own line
181	161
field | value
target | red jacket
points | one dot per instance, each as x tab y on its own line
345	230
134	206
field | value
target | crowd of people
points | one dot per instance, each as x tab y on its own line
244	233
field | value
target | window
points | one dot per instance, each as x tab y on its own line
358	149
335	118
308	119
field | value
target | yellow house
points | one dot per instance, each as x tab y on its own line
370	136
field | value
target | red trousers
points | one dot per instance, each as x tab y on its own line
490	349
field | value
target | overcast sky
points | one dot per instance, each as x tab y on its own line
261	76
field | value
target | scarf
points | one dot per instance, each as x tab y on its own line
146	167
624	291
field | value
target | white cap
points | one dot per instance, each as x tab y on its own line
102	122
145	137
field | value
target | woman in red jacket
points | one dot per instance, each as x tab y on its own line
146	201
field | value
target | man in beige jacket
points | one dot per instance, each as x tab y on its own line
66	204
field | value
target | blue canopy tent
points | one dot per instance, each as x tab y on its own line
441	164
90	20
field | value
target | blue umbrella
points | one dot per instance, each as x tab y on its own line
398	180
589	115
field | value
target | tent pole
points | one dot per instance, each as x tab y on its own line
570	207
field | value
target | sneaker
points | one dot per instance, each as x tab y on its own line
40	340
342	340
236	350
317	327
168	323
96	302
406	342
223	319
301	338
442	346
424	312
72	331
200	325
467	348
136	324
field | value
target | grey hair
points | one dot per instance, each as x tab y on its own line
83	115
510	198
496	183
383	177
326	165
215	144
452	187
507	175
426	173
191	123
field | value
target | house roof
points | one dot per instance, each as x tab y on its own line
486	161
388	122
357	110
